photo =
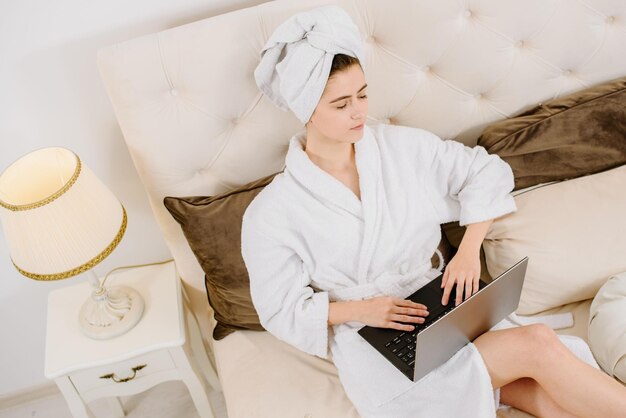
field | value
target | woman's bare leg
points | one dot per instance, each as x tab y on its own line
535	351
528	395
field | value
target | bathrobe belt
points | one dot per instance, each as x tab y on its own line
391	284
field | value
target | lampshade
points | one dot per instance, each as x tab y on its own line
59	219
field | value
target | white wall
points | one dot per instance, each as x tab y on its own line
51	94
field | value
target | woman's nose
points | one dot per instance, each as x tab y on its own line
358	112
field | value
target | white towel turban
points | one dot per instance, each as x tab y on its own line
296	60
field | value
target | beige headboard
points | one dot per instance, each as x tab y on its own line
196	123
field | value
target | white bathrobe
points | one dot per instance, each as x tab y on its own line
308	240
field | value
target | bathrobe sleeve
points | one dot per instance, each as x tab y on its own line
280	288
466	183
470	185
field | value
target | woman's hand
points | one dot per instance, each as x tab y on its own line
463	269
388	312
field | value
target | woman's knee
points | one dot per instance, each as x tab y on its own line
517	352
542	342
540	334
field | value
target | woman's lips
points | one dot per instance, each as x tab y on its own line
357	128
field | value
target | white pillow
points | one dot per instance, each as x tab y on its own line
574	234
607	326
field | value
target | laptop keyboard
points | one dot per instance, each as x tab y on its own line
403	345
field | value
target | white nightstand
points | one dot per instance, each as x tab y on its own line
165	345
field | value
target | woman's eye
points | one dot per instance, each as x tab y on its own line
345	104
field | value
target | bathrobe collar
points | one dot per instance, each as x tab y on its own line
327	187
371	209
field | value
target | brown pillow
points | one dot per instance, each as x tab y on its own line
212	226
568	137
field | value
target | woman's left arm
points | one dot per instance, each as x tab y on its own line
469	185
466	184
464	267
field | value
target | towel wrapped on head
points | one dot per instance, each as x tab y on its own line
296	60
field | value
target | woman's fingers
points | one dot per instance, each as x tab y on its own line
466	287
402	322
406	312
411	311
409	303
460	287
409	319
447	290
400	327
444	279
469	286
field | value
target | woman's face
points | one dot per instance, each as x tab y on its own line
342	107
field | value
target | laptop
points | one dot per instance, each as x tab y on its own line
447	328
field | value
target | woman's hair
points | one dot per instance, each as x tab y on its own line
342	62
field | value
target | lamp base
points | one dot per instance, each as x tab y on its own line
111	313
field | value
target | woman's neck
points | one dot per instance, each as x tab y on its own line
330	155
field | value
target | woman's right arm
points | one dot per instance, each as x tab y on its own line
287	306
381	312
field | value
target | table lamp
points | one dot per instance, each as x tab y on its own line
60	220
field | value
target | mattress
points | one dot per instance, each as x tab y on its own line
263	376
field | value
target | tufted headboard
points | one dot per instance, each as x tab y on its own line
196	124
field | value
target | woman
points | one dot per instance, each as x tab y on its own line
347	231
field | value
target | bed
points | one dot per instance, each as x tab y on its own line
196	124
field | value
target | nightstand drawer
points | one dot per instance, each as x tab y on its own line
124	372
